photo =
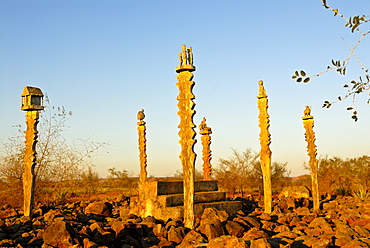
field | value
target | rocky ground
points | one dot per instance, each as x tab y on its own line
342	222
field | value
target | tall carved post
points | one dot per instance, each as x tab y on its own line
32	118
142	146
308	124
205	131
32	103
187	133
265	153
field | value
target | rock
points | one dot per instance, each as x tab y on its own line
211	229
59	234
99	235
254	233
131	241
355	243
99	208
302	211
89	244
234	229
191	239
122	229
321	223
147	242
362	232
227	242
213	213
8	212
260	243
251	222
176	234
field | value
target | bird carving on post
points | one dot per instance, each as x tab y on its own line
140	115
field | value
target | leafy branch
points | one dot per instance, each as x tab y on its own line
357	86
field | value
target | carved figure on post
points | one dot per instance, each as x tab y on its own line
142	145
205	131
186	59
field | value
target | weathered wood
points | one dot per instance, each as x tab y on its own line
30	161
265	153
187	133
205	131
142	146
308	124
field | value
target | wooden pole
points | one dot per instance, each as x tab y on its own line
205	131
265	153
142	146
30	161
187	133
308	124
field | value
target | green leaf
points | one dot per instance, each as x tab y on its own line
306	80
303	73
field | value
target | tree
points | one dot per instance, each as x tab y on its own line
233	173
355	87
342	176
242	172
60	164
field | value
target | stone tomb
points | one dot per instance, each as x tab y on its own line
165	199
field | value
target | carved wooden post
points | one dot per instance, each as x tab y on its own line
205	131
142	146
187	133
32	103
265	153
308	124
30	161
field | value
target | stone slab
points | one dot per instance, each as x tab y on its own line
199	197
177	187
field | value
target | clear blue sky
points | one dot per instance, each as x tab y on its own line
106	60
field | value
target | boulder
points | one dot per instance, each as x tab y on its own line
254	233
211	229
213	213
234	229
99	208
192	239
260	243
59	234
176	234
227	242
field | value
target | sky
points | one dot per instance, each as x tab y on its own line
106	60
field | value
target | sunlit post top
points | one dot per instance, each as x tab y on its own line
186	60
307	113
32	99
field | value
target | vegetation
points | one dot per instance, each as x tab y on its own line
124	181
354	87
242	173
343	176
60	167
